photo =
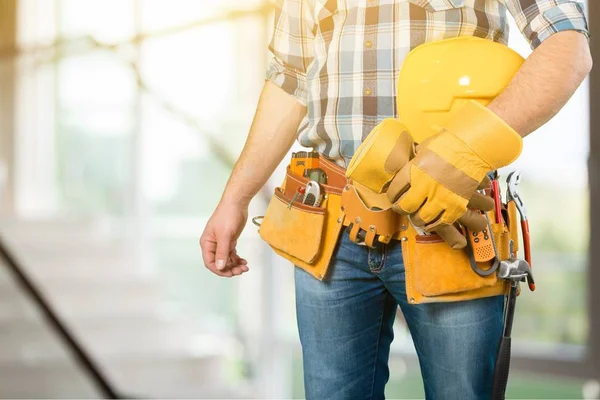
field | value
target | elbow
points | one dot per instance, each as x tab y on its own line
586	61
589	64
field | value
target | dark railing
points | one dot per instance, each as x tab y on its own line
79	353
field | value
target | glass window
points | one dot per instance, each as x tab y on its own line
554	170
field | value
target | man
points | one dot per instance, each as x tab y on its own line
335	67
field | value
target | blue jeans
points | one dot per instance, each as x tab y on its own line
345	325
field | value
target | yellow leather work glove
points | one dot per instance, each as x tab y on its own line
388	148
381	155
438	183
471	219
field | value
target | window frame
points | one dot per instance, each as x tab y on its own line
594	190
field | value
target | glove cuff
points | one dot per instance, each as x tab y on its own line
484	132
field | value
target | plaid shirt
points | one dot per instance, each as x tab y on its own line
341	58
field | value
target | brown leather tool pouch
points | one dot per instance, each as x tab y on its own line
293	228
303	234
437	273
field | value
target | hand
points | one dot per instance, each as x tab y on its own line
472	220
219	239
387	150
438	184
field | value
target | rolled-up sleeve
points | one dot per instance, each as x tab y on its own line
292	46
540	19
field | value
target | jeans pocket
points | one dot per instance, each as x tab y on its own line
438	5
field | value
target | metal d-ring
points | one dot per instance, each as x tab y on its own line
255	220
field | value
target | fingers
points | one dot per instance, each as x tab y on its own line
400	184
452	236
238	270
237	261
234	259
481	202
473	221
485	183
234	265
417	221
410	202
427	214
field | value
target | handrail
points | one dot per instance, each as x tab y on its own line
81	356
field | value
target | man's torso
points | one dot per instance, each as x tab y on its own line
359	48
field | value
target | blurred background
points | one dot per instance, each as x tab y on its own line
120	121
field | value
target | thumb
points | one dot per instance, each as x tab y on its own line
223	250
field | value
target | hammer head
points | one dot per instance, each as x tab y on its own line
515	269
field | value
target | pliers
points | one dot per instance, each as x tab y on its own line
512	181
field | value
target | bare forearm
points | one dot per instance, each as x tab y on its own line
545	83
272	134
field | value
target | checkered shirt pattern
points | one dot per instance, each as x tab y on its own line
341	58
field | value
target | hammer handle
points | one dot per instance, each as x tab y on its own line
501	369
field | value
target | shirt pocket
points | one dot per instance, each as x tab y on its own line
438	5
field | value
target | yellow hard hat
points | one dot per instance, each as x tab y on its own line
438	78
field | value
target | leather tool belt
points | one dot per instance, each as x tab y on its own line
307	236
